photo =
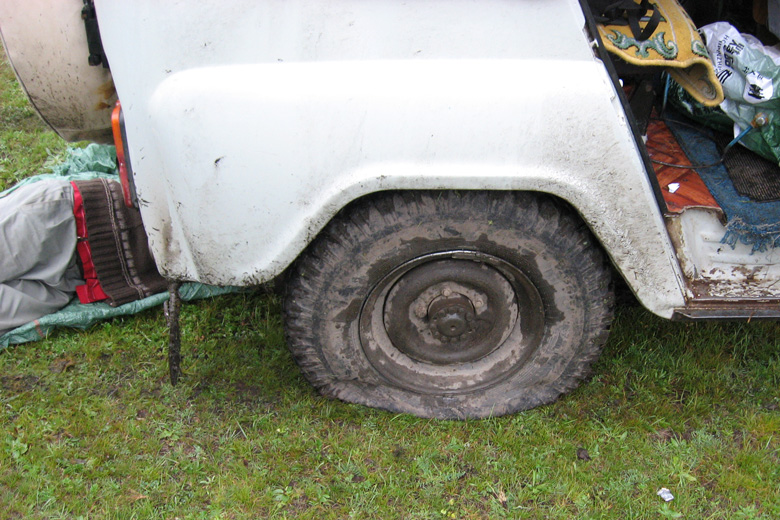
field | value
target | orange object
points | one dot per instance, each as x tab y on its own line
116	127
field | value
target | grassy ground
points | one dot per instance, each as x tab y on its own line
26	144
90	428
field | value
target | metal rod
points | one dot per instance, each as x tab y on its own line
172	311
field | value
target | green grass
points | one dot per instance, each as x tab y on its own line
25	142
91	428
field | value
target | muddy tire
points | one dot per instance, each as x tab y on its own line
450	304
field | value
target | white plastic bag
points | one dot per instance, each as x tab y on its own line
750	75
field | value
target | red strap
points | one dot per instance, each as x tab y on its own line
91	291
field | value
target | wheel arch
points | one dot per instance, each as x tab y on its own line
643	259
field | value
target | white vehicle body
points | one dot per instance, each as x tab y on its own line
253	127
247	137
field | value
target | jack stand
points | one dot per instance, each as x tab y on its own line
172	310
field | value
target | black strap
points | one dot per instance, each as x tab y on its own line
97	55
627	12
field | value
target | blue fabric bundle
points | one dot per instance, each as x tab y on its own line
753	223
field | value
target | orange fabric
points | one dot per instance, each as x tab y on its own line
681	187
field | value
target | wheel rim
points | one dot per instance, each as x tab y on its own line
451	322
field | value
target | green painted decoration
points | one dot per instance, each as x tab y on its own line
667	50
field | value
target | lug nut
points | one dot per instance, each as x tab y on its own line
420	311
446	292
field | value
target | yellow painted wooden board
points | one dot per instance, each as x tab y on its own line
676	45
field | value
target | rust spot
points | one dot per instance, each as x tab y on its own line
107	90
102	106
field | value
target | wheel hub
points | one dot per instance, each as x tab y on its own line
450	311
451	321
451	318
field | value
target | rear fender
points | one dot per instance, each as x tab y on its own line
301	141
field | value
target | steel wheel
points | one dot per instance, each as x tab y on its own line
451	322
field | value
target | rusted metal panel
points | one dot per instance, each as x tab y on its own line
717	272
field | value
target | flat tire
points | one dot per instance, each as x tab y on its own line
450	304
